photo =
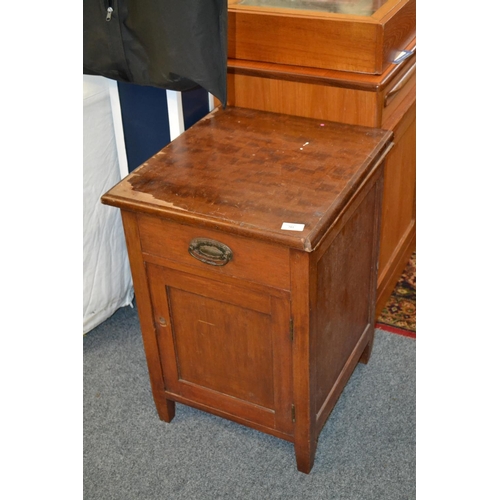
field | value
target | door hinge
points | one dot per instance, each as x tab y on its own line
293	413
291	329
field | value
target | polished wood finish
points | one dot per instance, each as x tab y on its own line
385	101
169	240
324	94
281	173
398	232
361	44
270	338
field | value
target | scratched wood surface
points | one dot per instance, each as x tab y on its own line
248	172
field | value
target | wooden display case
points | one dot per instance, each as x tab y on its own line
276	81
253	243
349	35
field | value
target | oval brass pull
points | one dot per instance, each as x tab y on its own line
210	251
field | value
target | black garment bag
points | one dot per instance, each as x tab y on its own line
170	44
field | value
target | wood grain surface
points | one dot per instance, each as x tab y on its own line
248	172
308	38
264	326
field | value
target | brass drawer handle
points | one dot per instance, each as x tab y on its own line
210	251
404	80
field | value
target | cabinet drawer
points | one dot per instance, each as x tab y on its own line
215	251
396	93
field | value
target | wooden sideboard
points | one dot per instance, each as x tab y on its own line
253	243
271	74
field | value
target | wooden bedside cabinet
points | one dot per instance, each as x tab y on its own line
253	243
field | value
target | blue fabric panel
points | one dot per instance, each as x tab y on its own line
195	105
145	121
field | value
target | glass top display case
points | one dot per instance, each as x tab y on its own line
362	36
356	7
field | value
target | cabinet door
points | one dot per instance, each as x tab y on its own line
224	347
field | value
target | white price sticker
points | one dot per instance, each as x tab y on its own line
290	226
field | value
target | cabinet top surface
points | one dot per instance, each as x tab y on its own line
250	172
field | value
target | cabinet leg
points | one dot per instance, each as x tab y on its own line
166	410
367	352
304	455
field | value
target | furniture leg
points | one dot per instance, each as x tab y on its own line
304	455
166	410
367	351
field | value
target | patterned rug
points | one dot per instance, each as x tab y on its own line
400	313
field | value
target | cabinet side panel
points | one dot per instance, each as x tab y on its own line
399	30
398	208
344	296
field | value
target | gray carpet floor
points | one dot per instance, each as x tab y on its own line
365	451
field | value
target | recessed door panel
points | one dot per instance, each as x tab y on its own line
223	347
